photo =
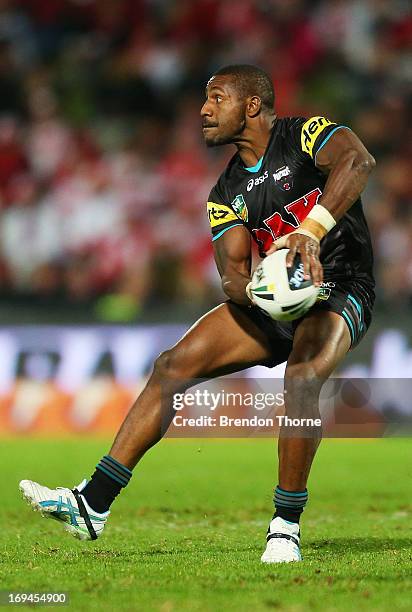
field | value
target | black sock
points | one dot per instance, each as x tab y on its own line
289	505
106	483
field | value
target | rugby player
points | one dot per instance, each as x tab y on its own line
293	182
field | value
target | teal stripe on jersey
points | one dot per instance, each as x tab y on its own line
349	322
225	230
358	308
339	127
257	167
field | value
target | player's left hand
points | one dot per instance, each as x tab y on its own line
309	252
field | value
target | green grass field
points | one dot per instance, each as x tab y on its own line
189	531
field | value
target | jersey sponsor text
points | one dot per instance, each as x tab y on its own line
311	130
219	214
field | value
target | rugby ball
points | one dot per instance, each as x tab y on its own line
282	292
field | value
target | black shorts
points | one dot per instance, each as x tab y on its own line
353	300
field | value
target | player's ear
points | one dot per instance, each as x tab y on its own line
253	106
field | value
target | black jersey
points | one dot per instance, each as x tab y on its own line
273	198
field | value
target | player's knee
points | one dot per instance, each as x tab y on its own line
175	366
308	374
166	365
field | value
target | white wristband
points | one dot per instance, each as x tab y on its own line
320	214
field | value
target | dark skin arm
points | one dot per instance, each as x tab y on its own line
347	164
232	253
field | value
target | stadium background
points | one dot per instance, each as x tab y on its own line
105	251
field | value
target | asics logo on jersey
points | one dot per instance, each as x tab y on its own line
257	181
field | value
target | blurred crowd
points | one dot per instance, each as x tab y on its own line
103	172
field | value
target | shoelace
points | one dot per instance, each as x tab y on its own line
283	536
84	514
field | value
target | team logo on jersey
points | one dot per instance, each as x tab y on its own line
283	178
325	290
323	295
219	213
240	208
311	130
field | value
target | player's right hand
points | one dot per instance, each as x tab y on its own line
309	250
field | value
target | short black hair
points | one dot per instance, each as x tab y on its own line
251	81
